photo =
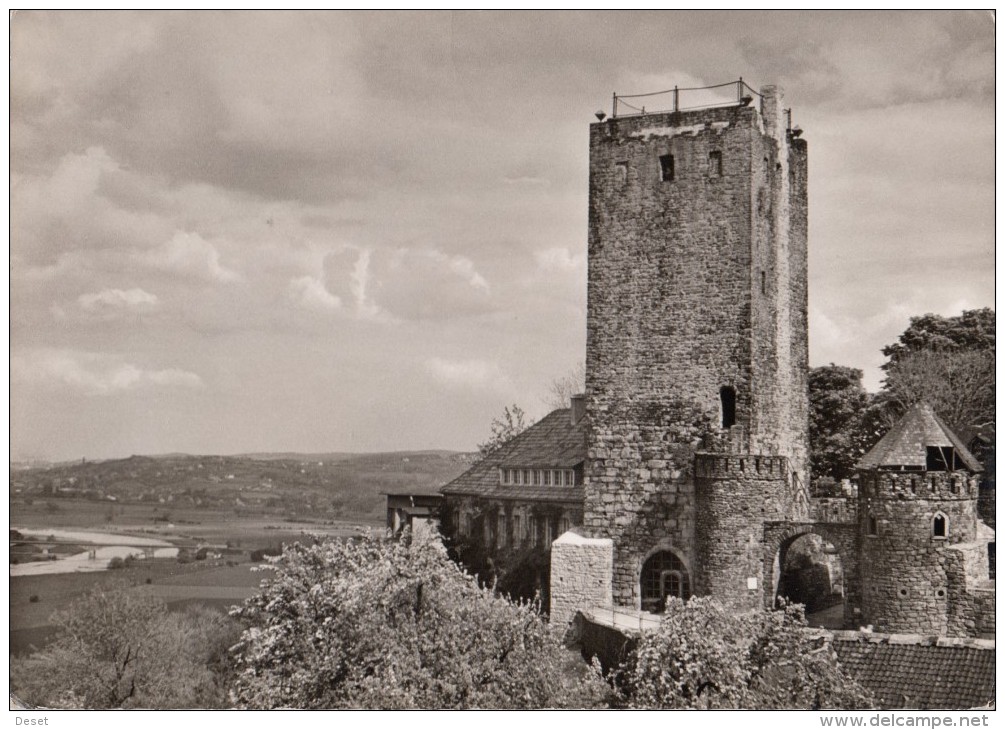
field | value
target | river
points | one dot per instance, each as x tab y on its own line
112	546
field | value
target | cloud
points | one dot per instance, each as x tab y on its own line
190	254
94	373
418	284
310	292
559	259
474	374
111	300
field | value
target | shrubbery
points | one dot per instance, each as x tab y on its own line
386	624
118	647
706	657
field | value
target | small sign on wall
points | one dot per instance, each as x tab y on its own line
752	583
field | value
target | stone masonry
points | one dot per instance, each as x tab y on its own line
910	581
696	284
581	570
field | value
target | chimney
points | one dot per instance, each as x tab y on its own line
577	407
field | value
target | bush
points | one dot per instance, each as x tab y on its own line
33	598
371	623
705	657
116	563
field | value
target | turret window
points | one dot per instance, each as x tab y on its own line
940	526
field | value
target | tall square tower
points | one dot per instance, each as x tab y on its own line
696	360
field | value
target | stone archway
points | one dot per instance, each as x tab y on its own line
779	536
663	574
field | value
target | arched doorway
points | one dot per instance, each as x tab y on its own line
810	572
663	575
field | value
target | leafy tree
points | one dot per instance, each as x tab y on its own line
974	329
117	647
396	624
512	423
703	656
838	438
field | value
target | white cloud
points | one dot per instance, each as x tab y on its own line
117	299
558	258
475	374
189	253
94	373
309	292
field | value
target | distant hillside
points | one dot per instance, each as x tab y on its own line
337	485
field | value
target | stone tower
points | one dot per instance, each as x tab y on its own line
922	545
696	345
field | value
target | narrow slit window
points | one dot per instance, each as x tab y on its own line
666	168
873	525
764	283
715	163
727	402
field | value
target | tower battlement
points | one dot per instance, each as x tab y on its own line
748	466
930	485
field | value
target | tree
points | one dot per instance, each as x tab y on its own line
512	423
973	329
838	438
562	389
958	385
117	647
703	656
947	362
374	623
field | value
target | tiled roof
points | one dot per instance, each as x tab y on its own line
551	443
905	444
914	672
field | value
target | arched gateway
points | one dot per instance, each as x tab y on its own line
663	575
779	537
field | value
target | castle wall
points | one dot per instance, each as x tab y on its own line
695	284
735	495
910	581
581	572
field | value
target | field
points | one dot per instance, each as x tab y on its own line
226	506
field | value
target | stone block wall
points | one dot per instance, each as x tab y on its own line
581	576
734	496
696	282
910	581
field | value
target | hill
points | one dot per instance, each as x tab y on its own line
331	485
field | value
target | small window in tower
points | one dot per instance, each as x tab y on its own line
727	401
715	163
621	172
764	283
666	168
873	526
940	525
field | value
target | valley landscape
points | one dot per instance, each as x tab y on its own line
188	529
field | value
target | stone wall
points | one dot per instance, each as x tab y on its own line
581	574
695	284
735	495
910	581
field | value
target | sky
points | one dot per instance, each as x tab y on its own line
366	231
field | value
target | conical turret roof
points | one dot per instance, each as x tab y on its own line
906	444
